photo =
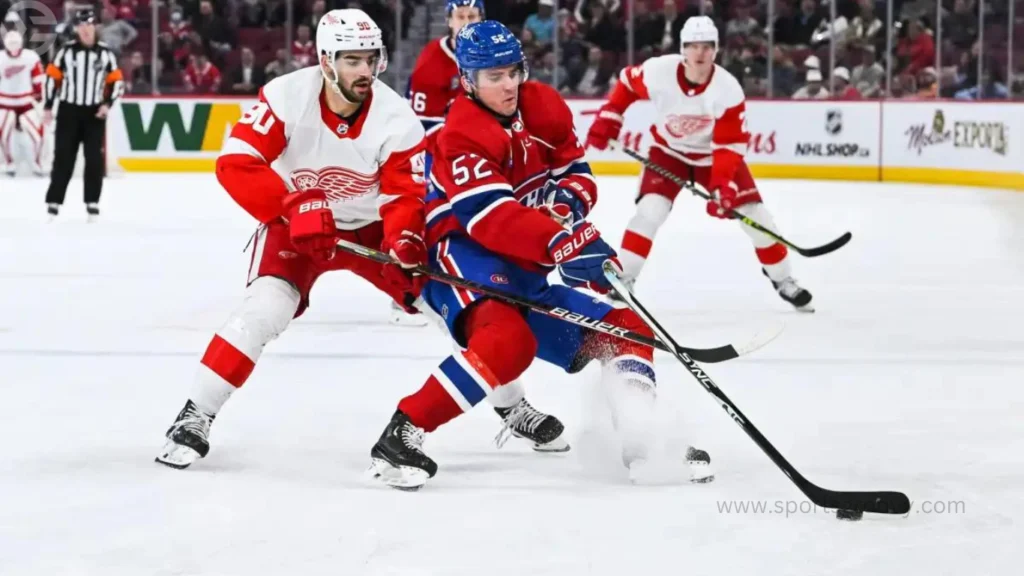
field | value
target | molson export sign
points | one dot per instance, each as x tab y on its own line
171	135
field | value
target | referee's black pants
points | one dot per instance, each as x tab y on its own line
77	126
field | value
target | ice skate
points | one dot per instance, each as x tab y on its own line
399	317
397	459
52	210
187	438
524	421
92	211
791	292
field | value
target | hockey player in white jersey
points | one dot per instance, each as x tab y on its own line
700	134
328	152
21	90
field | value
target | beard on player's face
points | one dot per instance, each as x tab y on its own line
357	90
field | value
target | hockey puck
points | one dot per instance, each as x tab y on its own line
851	515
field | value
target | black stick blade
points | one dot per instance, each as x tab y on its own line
875	502
826	248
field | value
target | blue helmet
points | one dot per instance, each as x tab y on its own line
451	5
487	44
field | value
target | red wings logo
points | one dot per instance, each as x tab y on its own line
685	125
339	184
12	71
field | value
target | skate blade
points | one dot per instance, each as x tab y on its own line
556	446
177	456
400	318
403	478
808	309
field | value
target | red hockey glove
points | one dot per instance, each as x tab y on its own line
311	224
723	200
606	127
410	251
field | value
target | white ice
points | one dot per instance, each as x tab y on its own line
907	378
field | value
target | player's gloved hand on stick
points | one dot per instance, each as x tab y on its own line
410	251
564	204
311	224
723	200
580	254
606	127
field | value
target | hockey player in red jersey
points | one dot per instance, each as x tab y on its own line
435	77
509	200
21	89
701	135
328	152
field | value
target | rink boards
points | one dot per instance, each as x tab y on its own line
933	141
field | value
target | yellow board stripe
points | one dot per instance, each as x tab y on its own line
1005	180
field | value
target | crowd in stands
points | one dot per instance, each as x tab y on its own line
235	46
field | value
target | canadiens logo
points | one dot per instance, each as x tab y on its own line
339	184
499	279
681	126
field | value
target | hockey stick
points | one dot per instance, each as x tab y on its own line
699	190
709	355
878	502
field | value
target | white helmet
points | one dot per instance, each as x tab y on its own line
349	30
698	29
13	41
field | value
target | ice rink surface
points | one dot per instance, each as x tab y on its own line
909	377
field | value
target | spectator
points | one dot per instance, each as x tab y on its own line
584	8
804	23
531	49
900	87
544	71
583	75
166	55
280	66
214	30
927	83
125	10
866	26
303	48
138	75
813	90
542	23
117	34
991	89
318	11
670	22
743	24
961	26
201	76
246	78
177	25
647	28
917	49
784	73
867	76
841	84
604	31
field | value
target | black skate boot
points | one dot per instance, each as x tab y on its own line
700	465
397	459
791	292
187	438
53	210
92	211
524	421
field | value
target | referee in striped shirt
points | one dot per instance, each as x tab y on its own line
85	78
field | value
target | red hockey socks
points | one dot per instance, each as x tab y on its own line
501	347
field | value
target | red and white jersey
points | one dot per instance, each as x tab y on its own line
703	125
433	85
21	79
290	141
